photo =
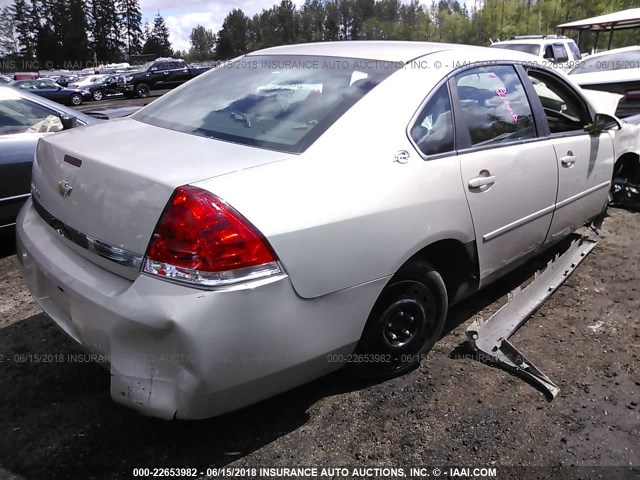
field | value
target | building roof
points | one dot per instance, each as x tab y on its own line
625	19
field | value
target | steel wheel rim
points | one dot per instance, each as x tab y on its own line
415	299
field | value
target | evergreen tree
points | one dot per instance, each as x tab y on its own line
8	41
203	42
157	42
27	38
108	44
232	38
131	18
75	42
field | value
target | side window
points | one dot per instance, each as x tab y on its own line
560	53
433	130
20	116
556	53
575	51
495	106
564	109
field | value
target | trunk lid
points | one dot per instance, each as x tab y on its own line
123	172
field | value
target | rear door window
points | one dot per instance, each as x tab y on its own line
494	105
433	130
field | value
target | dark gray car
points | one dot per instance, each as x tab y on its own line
24	119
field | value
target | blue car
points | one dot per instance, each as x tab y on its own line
49	89
24	119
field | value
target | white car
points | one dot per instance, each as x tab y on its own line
616	71
242	237
87	81
551	50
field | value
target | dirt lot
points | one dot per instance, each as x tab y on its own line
58	421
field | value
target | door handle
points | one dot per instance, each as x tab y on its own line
482	181
568	161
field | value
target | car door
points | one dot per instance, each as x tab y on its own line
110	85
181	73
508	172
49	90
161	76
585	161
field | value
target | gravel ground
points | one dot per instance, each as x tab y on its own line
58	420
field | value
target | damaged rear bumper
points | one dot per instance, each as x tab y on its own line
175	351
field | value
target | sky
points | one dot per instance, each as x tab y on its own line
182	16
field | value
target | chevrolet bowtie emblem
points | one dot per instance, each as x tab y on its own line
65	188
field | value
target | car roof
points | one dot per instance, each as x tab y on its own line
382	50
614	51
397	51
9	92
534	41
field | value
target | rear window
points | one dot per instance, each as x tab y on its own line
520	47
277	102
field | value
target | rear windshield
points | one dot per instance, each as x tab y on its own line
277	102
520	47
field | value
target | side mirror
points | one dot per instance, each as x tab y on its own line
602	123
68	121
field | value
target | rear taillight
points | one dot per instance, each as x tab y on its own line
202	241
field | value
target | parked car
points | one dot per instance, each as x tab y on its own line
26	76
24	119
107	85
161	74
550	49
86	81
240	239
5	80
65	80
49	89
615	71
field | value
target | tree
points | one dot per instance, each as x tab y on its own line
73	33
8	40
232	37
107	37
203	43
131	18
27	37
157	42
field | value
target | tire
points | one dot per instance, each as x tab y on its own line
98	95
404	324
142	90
75	100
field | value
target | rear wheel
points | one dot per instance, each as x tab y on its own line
404	324
75	99
143	90
98	95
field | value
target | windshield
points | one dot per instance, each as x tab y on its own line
520	47
278	102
